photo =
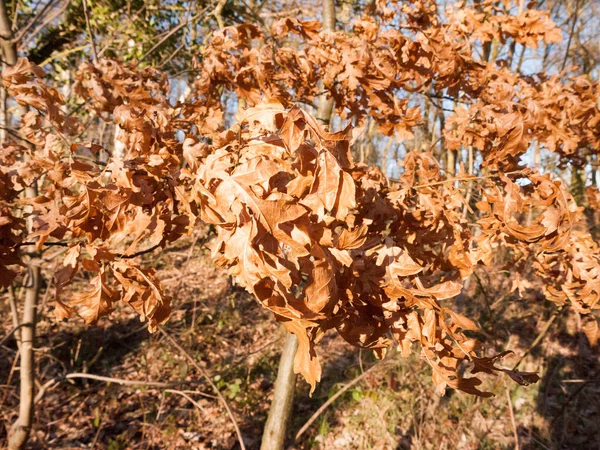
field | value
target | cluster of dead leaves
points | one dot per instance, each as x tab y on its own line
542	224
104	212
12	231
323	243
403	49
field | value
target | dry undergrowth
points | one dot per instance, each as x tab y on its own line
237	342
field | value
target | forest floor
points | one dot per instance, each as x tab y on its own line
236	343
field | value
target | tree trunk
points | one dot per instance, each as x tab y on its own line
329	16
367	155
595	168
118	153
20	430
438	151
325	108
384	155
470	170
513	45
4	125
9	49
578	186
9	58
427	130
283	398
451	163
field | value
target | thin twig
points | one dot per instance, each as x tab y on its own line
10	333
89	29
123	382
120	381
512	415
194	363
539	337
160	407
16	15
175	52
183	273
98	431
575	18
534	344
119	255
467	178
47	244
175	30
184	395
16	135
23	42
34	20
335	396
464	179
218	13
141	252
67	52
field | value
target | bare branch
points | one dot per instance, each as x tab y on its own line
90	33
175	30
23	42
23	31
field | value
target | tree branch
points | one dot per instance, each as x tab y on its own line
175	30
90	33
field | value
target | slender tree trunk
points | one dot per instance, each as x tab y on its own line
571	33
329	15
325	108
578	186
119	148
283	398
451	163
513	44
470	170
4	121
384	155
368	153
20	430
9	49
9	57
595	167
427	131
285	384
439	152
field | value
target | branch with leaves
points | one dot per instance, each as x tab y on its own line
322	242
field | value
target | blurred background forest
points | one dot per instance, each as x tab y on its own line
393	406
